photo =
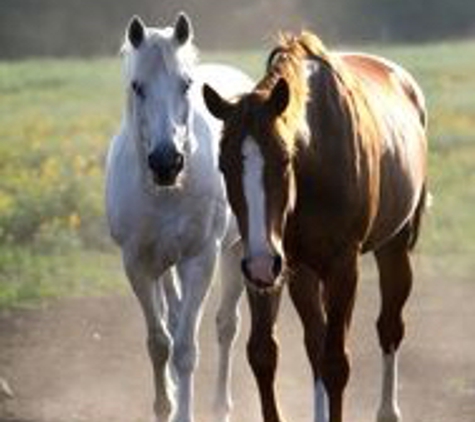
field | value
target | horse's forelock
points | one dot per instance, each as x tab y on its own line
290	60
178	59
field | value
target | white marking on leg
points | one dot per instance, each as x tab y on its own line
254	194
321	402
389	409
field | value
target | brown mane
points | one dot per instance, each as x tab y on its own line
285	61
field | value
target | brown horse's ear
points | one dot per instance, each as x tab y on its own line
279	98
136	31
217	105
183	30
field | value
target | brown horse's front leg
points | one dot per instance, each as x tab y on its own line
306	293
340	289
262	348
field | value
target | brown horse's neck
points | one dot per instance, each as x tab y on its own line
289	61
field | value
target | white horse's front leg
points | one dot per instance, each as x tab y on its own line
195	275
227	325
159	341
173	299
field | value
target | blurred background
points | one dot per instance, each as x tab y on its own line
90	27
71	334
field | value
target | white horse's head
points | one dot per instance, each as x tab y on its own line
158	73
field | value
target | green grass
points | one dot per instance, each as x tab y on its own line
29	277
56	119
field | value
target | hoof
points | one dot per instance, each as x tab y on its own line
221	416
389	415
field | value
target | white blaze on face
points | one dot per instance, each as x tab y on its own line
253	182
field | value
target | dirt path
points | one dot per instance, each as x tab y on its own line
84	360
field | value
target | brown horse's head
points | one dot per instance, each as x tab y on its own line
258	149
257	153
256	165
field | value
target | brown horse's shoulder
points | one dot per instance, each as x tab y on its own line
368	66
378	73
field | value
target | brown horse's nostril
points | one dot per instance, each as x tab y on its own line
277	266
245	269
262	271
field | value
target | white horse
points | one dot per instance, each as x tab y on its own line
167	208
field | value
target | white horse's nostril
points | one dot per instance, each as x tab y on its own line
154	162
179	161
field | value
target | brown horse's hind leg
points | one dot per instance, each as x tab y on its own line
395	283
340	289
262	348
305	291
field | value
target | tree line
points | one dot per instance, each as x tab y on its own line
94	27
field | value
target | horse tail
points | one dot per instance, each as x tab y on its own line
417	97
415	223
415	94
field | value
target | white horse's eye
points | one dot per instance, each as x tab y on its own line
138	89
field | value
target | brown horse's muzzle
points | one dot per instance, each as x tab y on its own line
262	271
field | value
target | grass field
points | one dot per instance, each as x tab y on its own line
56	119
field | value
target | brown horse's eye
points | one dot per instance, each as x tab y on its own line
138	89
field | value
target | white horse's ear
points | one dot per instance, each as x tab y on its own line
136	31
217	106
183	30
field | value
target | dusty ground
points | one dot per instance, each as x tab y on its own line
84	359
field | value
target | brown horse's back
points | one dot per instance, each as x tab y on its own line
388	76
399	108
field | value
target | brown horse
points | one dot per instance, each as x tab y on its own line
325	160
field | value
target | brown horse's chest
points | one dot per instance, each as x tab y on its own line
327	222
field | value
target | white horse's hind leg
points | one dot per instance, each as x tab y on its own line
195	275
159	341
227	325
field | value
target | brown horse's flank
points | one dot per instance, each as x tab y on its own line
349	145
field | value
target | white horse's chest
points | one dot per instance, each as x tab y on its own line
170	226
173	225
185	233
